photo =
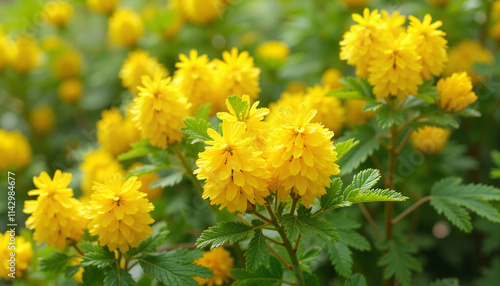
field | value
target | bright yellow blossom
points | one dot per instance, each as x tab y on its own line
273	50
119	213
331	78
58	13
100	6
15	149
6	50
23	255
125	28
26	54
96	165
463	57
233	169
159	111
115	133
42	119
70	90
137	65
455	92
202	11
431	45
300	155
56	216
220	262
393	23
329	109
430	139
67	65
146	180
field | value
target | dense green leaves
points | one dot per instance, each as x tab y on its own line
239	106
169	178
223	232
160	233
359	153
356	280
398	261
99	257
118	277
333	198
56	262
361	85
139	149
341	258
343	147
257	251
93	276
387	117
196	129
263	276
346	94
304	224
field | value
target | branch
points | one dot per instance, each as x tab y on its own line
410	209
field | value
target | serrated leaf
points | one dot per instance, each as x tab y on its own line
343	147
341	258
158	238
170	271
356	280
368	143
146	169
446	282
346	94
377	195
428	92
218	235
445	120
121	277
257	251
306	257
93	276
304	224
239	106
203	112
310	279
196	129
398	261
224	215
99	257
346	228
139	149
365	179
455	214
71	270
387	117
469	112
372	106
56	262
333	194
171	178
359	84
263	276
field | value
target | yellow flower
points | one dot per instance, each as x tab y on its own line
331	78
236	75
6	49
195	76
70	90
295	87
464	55
354	4
55	215
361	44
96	165
137	65
78	275
430	139
292	99
393	23
455	92
495	9
146	181
233	169
160	110
354	112
26	54
58	13
202	11
15	149
100	6
115	133
220	262
23	251
431	45
119	213
68	65
494	32
300	155
329	109
42	119
252	117
273	50
125	28
397	71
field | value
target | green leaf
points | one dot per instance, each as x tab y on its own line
305	224
343	147
203	112
196	129
398	261
372	106
341	258
93	276
444	120
446	282
356	280
257	251
333	195
146	169
139	149
224	215
364	180
56	262
71	270
495	156
116	277
428	92
368	143
491	275
469	112
218	235
346	94
171	178
378	195
360	85
387	117
455	214
99	257
171	271
158	238
263	276
347	235
491	231
239	106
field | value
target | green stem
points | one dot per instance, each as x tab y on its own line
189	171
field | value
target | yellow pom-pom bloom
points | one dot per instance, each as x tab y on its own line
125	28
455	92
273	50
6	49
42	119
220	262
23	251
100	6
202	11
119	213
26	54
292	99
464	56
361	43
430	139
146	181
331	78
70	90
115	133
236	75
300	155
68	65
329	109
137	65
354	112
96	165
397	71
55	215
15	149
393	23
233	169
58	13
494	31
159	111
431	45
195	76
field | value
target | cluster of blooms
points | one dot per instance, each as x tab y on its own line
23	255
220	262
15	149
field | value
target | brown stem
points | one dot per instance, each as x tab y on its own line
379	167
370	220
274	241
297	243
279	256
294	204
261	216
78	249
403	142
410	209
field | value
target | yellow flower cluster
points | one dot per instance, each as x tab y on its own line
68	64
273	50
394	60
100	6
199	11
455	92
220	262
137	65
430	139
26	54
15	149
23	251
125	28
58	13
56	216
6	48
96	165
115	133
70	90
119	213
